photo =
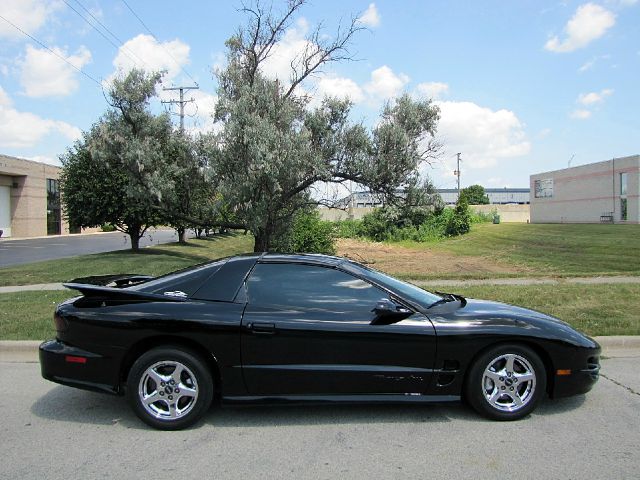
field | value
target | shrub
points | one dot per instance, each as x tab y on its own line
349	228
460	221
308	234
107	227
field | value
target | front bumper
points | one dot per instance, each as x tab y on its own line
584	374
64	364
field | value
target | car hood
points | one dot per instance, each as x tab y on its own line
483	316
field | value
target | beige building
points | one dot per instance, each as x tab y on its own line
603	192
29	199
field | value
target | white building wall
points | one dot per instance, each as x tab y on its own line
586	193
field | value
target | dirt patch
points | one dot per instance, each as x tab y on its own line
395	259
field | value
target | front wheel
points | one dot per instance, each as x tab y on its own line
169	388
506	382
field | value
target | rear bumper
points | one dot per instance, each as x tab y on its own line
67	365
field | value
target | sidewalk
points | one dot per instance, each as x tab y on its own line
527	281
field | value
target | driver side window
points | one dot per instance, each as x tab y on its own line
310	287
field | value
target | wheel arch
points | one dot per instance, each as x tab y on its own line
150	343
537	349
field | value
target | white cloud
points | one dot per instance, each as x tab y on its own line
143	51
24	129
544	133
339	87
594	97
482	135
5	101
580	114
589	23
587	65
431	89
42	74
590	64
293	43
386	84
199	113
29	15
44	159
370	17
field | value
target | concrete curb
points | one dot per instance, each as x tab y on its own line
26	351
31	288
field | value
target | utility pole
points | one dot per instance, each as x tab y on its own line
457	173
182	102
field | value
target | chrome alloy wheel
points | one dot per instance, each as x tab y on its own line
168	390
509	382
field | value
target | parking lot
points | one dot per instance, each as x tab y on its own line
51	431
17	252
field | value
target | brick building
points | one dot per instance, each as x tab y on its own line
29	199
607	192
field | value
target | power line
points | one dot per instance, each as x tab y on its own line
106	29
135	61
158	41
52	51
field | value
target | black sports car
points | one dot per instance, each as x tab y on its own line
306	328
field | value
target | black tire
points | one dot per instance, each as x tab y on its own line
500	392
177	386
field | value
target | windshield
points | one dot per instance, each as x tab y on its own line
404	289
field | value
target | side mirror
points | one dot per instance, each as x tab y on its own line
386	310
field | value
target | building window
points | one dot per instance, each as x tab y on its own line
543	188
53	208
623	196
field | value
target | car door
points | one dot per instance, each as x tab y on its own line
307	330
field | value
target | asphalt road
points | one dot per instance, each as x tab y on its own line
15	252
54	432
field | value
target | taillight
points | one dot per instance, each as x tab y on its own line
60	323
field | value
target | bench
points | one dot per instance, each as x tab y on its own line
606	217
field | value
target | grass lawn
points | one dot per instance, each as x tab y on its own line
150	261
29	315
605	309
548	250
594	309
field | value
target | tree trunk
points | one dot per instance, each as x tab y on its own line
135	241
261	243
135	232
182	235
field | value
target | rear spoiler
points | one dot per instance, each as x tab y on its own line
120	280
110	293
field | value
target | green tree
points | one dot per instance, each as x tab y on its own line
186	199
116	174
475	195
273	147
94	193
460	222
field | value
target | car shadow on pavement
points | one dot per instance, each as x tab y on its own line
65	404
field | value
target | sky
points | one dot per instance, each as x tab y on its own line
522	86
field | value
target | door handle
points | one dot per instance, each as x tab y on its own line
262	328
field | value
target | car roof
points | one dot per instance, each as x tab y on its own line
307	258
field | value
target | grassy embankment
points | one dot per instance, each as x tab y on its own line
546	250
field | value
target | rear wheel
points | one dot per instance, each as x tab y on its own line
169	388
506	382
